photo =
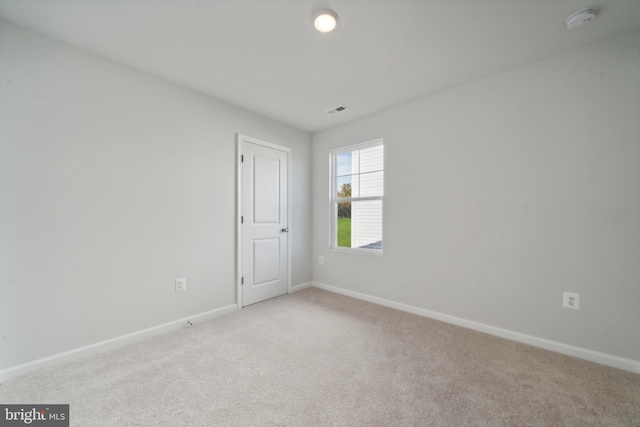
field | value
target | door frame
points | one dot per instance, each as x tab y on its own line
239	140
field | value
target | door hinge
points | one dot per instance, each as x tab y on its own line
242	158
242	220
242	281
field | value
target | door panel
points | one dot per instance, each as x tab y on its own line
266	201
266	261
265	223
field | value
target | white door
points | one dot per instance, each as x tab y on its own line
264	222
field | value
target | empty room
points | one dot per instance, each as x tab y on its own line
301	213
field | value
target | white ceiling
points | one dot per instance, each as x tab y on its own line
265	56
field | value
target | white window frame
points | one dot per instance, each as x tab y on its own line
334	200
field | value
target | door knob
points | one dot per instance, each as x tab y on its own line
285	230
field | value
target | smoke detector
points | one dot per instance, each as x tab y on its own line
581	17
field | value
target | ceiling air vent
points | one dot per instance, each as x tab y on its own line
338	109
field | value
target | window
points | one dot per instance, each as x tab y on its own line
357	189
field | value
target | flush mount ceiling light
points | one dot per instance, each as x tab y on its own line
581	17
325	20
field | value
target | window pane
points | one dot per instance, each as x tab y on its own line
370	184
343	164
359	224
344	224
366	224
371	159
344	186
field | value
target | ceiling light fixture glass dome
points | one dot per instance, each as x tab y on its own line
325	20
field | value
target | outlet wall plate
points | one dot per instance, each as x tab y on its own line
181	284
571	300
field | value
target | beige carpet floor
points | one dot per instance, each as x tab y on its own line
315	358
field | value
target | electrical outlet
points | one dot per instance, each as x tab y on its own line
321	260
570	300
181	284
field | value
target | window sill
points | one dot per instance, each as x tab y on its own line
374	252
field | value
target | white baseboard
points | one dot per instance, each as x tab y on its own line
581	353
110	344
301	286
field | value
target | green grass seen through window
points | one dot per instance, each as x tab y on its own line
344	232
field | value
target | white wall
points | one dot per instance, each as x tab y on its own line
502	194
112	184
